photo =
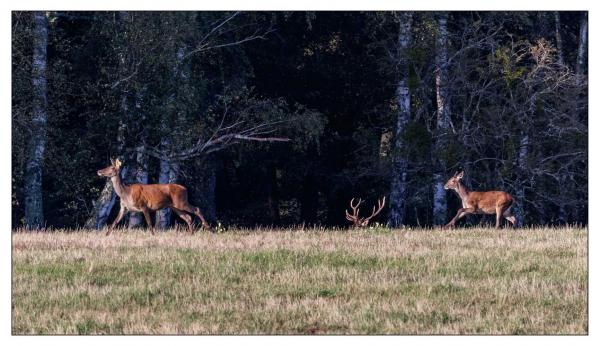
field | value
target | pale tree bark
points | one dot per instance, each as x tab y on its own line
398	193
559	47
582	47
34	213
442	121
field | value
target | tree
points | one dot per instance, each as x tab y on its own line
558	37
126	69
199	98
137	62
443	121
398	193
169	170
582	46
34	212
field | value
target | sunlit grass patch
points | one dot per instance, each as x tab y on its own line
380	281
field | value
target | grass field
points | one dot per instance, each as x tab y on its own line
464	281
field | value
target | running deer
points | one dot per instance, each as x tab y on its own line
477	202
362	221
145	198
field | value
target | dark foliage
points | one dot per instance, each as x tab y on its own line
327	81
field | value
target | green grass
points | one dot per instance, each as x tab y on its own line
466	281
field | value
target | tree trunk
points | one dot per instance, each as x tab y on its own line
169	170
140	175
559	48
443	122
168	174
519	208
582	47
398	193
34	213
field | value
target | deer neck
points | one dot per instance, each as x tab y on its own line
120	188
462	191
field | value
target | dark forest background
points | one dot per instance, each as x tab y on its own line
374	104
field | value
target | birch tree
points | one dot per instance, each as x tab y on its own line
558	37
197	102
34	212
582	46
442	121
398	193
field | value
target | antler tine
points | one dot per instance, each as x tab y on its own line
355	211
350	217
380	205
357	204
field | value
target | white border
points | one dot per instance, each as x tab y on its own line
5	147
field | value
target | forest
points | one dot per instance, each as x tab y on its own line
281	118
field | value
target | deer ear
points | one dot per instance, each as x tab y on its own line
118	163
112	162
460	175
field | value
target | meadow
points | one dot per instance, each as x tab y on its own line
309	281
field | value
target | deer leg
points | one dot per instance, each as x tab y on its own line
195	210
499	213
117	220
459	215
453	221
186	217
512	220
148	220
510	217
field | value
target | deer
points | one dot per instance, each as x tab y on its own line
363	221
480	202
150	197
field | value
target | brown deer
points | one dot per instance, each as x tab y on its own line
362	221
145	198
476	202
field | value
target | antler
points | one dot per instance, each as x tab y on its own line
361	222
355	210
380	205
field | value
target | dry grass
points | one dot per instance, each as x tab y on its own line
465	281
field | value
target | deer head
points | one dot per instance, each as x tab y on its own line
112	170
452	183
363	221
